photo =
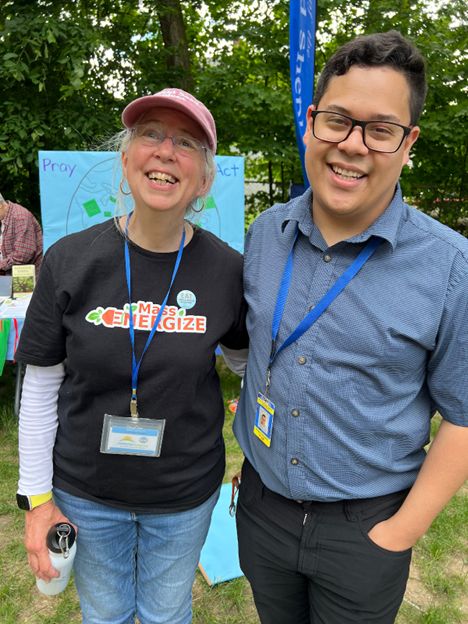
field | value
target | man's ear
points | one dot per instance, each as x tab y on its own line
310	122
409	142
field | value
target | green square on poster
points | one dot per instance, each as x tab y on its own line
92	208
210	203
107	214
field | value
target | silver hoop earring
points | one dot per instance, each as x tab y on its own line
121	189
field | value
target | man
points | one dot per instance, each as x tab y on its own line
21	237
331	504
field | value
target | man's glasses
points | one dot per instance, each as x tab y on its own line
152	136
379	136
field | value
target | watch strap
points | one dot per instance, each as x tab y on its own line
30	502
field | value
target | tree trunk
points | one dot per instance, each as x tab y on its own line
270	181
175	40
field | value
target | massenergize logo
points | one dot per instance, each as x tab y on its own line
174	319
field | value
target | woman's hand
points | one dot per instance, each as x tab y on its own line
37	524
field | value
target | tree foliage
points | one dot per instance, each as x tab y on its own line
68	69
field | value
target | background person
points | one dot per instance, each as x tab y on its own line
142	520
20	237
328	514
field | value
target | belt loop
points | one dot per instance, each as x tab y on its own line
352	510
262	490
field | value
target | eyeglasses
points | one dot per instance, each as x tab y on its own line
152	136
379	136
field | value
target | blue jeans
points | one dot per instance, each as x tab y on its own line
130	564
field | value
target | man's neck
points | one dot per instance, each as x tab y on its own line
335	229
334	232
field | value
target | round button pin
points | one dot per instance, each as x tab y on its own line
186	299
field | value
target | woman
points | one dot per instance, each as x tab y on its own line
134	417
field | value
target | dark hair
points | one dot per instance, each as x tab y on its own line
389	49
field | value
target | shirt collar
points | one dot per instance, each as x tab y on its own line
300	212
387	226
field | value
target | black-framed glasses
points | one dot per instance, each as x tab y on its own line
152	136
379	136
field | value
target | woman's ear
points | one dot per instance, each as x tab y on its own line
204	185
124	163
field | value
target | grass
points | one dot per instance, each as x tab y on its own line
437	589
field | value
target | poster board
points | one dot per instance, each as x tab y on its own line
79	189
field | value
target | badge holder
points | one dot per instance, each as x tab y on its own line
264	419
132	436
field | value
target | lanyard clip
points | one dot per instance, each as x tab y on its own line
267	385
133	406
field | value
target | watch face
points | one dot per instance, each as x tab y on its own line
23	502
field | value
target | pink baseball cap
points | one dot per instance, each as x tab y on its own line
177	100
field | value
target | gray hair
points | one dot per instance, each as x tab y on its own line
125	203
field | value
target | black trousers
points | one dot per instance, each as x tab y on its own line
313	563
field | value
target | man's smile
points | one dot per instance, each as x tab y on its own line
346	174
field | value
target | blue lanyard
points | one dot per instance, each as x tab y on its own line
135	366
321	306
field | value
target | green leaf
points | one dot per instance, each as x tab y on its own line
93	316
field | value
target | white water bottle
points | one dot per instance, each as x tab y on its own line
62	548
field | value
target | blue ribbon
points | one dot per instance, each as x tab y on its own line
135	366
322	305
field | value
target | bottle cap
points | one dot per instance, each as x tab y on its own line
61	538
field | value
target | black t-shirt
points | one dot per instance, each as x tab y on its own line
79	312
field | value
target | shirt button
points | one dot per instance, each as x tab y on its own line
311	308
294	461
302	360
299	501
295	413
327	258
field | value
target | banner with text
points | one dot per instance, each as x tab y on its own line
302	24
78	190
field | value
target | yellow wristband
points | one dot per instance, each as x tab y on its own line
40	499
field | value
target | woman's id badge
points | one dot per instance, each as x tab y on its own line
132	436
264	419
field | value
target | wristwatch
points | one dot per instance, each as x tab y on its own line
27	503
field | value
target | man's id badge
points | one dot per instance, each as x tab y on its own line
264	419
132	436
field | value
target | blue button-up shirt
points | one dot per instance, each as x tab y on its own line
355	394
